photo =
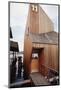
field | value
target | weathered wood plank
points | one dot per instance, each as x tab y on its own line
38	79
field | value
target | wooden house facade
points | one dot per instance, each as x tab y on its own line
40	43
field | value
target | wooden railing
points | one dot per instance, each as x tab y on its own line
48	72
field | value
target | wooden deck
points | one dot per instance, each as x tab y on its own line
38	79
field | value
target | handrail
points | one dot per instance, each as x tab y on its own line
49	68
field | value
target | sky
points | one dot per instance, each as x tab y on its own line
18	18
52	12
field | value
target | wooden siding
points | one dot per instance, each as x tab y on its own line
27	53
39	22
27	23
50	59
34	20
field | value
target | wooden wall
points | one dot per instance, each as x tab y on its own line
27	54
38	22
27	23
34	20
49	59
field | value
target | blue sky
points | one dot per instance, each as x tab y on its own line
18	18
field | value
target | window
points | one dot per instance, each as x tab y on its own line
35	55
34	8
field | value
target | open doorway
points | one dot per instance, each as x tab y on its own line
37	59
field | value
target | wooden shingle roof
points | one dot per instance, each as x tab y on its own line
45	38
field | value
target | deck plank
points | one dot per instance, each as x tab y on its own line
38	79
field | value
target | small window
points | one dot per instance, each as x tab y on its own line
36	8
32	7
35	55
